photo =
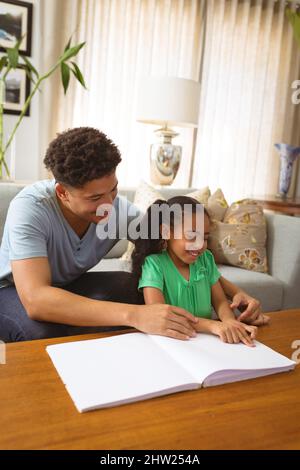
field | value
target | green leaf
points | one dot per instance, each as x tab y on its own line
28	74
71	52
78	74
30	67
294	19
13	57
289	14
18	43
297	29
68	44
3	62
65	76
13	53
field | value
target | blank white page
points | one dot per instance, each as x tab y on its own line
207	354
110	371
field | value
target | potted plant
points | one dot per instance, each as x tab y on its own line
294	18
10	61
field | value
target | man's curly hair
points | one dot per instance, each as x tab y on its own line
82	154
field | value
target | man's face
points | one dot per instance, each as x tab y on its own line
83	202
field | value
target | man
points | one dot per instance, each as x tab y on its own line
50	242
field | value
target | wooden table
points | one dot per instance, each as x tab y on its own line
264	413
288	206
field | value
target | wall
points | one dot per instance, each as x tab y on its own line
23	156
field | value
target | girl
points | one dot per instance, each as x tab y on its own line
180	271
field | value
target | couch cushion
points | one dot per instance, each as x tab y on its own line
262	286
118	250
240	245
284	255
112	264
217	205
7	192
240	238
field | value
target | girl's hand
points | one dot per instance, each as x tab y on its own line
233	331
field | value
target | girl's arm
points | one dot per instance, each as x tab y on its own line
220	302
229	329
233	332
155	296
152	295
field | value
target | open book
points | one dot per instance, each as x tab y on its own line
134	366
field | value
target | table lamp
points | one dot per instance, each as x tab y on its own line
167	101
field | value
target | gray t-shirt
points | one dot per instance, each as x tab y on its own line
36	227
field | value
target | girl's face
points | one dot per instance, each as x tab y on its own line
191	245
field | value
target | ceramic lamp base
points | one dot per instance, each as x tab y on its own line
165	158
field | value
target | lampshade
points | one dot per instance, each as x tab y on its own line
169	101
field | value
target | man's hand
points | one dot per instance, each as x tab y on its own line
233	331
165	320
250	308
261	320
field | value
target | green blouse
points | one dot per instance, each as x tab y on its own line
194	295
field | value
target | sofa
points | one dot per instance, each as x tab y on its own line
277	290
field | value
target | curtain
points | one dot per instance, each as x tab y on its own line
242	51
125	39
250	61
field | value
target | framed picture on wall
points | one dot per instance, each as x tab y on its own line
15	23
17	89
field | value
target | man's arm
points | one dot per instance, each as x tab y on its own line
44	302
229	288
249	306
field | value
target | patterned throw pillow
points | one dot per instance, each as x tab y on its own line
217	205
145	196
240	239
201	195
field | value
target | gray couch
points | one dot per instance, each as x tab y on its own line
278	290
